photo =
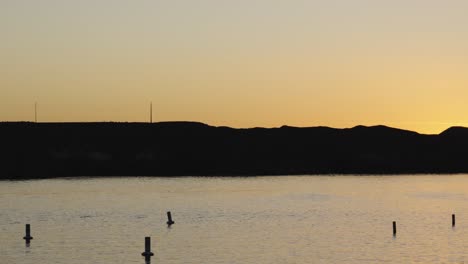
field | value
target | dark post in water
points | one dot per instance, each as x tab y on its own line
169	219
28	236
453	219
394	228
147	252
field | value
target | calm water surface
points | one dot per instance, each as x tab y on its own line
300	219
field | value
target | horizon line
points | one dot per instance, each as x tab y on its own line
225	126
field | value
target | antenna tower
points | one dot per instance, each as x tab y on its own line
151	112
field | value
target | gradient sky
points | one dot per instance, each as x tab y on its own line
240	63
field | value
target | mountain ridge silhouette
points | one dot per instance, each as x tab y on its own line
182	148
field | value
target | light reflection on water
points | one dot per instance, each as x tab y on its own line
290	219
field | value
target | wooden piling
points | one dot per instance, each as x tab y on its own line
453	220
394	228
147	252
169	219
28	236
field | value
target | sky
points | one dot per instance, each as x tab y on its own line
238	63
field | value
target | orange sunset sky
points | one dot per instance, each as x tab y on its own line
240	63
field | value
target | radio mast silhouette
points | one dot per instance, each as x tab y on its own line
151	112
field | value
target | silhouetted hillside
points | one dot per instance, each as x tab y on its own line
36	150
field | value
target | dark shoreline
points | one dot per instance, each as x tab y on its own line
230	176
189	149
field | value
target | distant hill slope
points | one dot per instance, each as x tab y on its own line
30	150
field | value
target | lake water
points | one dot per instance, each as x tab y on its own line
284	219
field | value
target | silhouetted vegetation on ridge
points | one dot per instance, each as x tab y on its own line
46	150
